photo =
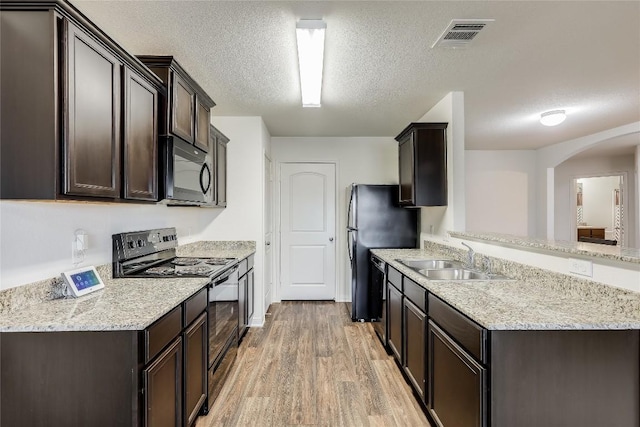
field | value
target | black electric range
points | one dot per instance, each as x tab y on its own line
152	253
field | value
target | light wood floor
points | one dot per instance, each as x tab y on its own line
310	365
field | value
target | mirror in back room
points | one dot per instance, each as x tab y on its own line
600	209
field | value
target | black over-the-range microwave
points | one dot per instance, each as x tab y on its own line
186	172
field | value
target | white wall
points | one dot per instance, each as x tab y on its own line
451	217
36	236
500	189
360	160
571	169
267	220
551	156
243	217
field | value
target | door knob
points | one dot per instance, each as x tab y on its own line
331	239
268	243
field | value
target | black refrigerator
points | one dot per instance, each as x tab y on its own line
374	220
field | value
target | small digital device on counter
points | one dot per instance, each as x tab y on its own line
82	281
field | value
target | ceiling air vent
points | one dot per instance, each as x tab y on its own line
460	32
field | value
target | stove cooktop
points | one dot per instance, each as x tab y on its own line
152	253
184	267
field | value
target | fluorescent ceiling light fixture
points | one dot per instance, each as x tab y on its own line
553	118
310	35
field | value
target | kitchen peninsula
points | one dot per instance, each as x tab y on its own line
541	349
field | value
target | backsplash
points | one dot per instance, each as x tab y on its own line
53	288
574	286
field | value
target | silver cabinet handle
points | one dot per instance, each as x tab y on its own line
268	243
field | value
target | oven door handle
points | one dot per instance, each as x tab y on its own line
223	278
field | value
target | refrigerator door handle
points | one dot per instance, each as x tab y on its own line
351	243
351	212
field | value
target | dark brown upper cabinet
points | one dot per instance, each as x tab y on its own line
92	134
187	113
140	138
91	109
203	119
183	99
218	142
423	164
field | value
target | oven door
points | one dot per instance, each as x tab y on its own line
188	173
223	315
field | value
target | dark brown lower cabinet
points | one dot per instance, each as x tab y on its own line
154	377
195	371
457	383
62	379
246	294
242	305
250	296
163	388
394	305
469	376
415	321
570	378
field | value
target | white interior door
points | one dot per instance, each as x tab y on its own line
307	228
268	232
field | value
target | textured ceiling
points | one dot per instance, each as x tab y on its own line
381	73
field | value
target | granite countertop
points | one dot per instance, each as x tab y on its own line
616	253
123	304
535	303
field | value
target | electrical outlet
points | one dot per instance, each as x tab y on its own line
581	266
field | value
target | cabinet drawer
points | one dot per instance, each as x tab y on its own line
416	293
194	306
158	335
250	262
395	277
243	267
467	333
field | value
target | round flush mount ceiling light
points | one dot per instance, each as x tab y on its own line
553	118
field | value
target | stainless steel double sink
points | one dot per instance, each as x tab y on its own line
442	269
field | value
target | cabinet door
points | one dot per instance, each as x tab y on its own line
415	333
203	121
163	388
457	392
250	296
406	164
91	108
140	176
394	310
195	367
183	99
221	172
242	304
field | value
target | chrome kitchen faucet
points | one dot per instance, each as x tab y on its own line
470	255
